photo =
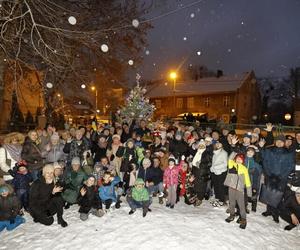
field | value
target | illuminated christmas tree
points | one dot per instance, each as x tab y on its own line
137	106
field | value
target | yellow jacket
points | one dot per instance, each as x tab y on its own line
241	170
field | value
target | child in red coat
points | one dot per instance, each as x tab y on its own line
182	178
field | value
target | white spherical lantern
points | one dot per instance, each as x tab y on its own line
104	48
135	23
130	62
287	116
72	20
49	85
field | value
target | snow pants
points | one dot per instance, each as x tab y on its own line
237	197
11	226
172	194
218	185
45	217
137	204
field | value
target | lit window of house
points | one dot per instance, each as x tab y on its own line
206	101
179	103
226	101
158	104
190	102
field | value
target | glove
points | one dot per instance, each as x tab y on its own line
11	172
12	221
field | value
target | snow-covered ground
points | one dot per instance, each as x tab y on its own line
184	227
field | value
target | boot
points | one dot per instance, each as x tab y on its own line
84	216
266	214
243	223
62	222
131	212
276	218
67	206
289	227
197	203
254	205
168	205
145	211
230	218
172	206
239	220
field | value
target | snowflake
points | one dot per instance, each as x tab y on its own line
130	62
104	48
192	15
135	23
199	53
184	38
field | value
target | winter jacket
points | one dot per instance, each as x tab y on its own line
182	181
21	181
98	152
171	175
89	200
202	170
140	194
157	175
178	148
40	195
145	174
9	206
129	155
219	161
107	191
254	170
238	177
291	206
56	154
32	154
75	149
74	182
279	162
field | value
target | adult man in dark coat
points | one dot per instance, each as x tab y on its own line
278	163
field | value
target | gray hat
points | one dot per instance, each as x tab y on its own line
280	138
75	161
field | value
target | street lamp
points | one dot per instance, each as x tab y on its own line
173	76
93	88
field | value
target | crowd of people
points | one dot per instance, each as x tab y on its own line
47	171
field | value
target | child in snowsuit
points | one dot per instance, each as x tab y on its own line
107	192
9	209
21	182
89	200
237	180
138	197
171	181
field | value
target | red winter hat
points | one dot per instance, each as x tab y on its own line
241	156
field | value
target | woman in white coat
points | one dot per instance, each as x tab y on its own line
218	173
10	154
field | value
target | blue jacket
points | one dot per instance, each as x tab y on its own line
21	181
278	162
107	191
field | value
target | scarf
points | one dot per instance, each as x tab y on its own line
197	158
14	151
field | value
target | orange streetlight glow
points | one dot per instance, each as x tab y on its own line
173	75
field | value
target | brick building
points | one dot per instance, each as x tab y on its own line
218	97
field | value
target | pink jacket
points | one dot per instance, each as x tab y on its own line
171	175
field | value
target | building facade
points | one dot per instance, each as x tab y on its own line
218	97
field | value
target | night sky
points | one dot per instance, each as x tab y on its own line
232	35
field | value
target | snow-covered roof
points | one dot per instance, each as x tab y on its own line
202	86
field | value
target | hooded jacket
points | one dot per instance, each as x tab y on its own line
140	194
9	206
